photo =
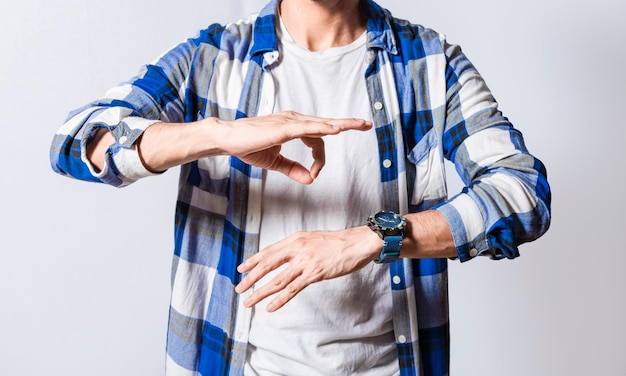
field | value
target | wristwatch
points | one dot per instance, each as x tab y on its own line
390	227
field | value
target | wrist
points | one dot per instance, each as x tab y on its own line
215	136
374	242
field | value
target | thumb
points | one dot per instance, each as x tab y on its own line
318	153
293	170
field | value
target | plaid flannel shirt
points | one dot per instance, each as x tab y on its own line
428	104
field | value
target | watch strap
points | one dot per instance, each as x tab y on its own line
391	249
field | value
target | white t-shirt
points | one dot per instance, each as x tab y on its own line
344	325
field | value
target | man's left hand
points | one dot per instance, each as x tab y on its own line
312	257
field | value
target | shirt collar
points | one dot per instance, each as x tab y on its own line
379	29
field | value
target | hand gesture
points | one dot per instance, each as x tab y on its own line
312	257
257	141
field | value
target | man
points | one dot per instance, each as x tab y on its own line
278	268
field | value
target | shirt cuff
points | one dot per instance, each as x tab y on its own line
467	226
122	164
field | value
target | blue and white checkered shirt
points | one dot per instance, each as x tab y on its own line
428	104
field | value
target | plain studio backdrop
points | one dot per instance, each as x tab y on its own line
85	268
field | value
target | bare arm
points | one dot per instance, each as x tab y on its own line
98	146
256	141
320	255
428	235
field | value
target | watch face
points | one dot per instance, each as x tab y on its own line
388	219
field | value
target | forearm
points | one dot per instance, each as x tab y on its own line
427	235
161	146
255	140
321	255
98	146
166	145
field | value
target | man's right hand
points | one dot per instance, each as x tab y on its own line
256	141
265	135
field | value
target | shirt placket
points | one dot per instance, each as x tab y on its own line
385	114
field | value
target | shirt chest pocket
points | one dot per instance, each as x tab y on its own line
429	185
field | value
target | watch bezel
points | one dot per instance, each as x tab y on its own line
395	227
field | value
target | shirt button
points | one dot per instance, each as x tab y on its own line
473	252
397	280
378	106
387	163
401	339
123	139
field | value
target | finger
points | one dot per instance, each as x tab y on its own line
246	282
277	284
288	292
349	124
341	123
256	271
249	263
318	153
292	169
319	127
259	265
297	116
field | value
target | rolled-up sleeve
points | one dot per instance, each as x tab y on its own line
506	199
127	110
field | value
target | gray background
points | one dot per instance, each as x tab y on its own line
84	281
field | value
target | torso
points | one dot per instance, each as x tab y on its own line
344	325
